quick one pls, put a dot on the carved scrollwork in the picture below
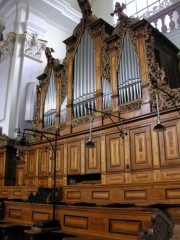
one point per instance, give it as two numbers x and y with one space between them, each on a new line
162 228
105 57
168 97
80 121
120 31
130 107
7 46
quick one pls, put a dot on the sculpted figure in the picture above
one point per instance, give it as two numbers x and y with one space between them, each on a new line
85 8
49 55
119 11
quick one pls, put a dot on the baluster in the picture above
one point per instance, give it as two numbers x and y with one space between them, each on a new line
178 16
163 27
171 23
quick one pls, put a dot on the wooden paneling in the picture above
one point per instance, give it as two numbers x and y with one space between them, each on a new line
20 174
93 157
59 160
169 144
74 158
114 153
31 163
2 163
141 148
44 159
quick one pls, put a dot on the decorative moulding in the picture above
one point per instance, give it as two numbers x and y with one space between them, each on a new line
33 46
7 46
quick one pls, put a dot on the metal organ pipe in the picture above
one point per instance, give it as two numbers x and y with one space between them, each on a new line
129 82
84 75
50 103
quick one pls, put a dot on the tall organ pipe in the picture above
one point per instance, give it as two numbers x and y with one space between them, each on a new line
84 75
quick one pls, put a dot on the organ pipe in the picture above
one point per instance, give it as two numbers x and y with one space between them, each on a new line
84 75
50 103
129 80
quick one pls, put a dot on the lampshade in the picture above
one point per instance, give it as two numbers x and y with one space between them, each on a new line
22 144
90 144
159 128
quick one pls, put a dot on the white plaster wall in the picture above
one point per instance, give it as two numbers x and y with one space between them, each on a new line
55 38
103 9
4 70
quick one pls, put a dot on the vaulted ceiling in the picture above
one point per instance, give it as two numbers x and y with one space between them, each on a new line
64 14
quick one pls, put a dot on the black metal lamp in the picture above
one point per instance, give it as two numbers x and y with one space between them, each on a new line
90 144
159 127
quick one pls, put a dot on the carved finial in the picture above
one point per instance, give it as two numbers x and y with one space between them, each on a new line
119 11
85 7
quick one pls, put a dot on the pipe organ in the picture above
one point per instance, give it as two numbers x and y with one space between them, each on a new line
115 70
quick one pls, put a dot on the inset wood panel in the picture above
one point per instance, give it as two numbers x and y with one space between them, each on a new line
141 148
170 144
15 213
120 226
59 161
31 163
115 153
76 221
74 158
38 216
20 175
2 163
44 158
93 157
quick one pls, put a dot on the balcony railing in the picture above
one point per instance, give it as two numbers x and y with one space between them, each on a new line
167 18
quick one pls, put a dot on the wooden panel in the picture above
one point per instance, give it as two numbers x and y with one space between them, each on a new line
141 149
169 144
20 175
74 158
115 153
2 163
44 158
59 160
31 163
76 221
93 157
135 194
173 193
37 216
100 195
15 213
119 226
73 194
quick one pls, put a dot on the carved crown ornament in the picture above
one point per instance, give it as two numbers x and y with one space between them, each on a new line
33 46
7 46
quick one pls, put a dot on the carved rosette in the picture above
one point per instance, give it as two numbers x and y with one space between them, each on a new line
7 46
